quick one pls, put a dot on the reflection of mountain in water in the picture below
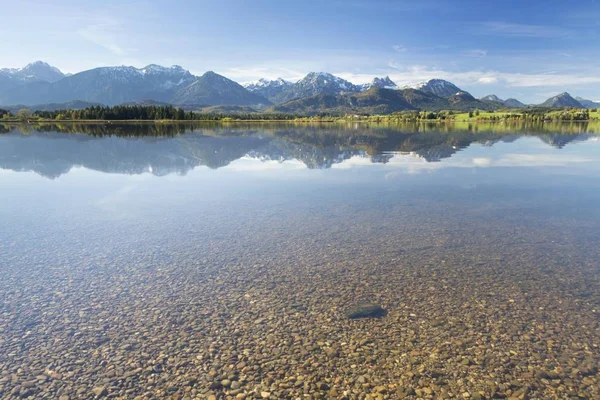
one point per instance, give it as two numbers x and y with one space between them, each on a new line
169 149
560 141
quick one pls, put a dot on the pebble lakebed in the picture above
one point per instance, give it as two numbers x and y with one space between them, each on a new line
480 304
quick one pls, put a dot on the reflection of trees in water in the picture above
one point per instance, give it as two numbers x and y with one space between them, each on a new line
307 129
177 148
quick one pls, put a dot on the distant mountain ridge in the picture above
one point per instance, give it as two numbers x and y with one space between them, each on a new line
43 86
514 103
510 103
561 100
214 89
439 87
492 97
588 103
71 105
317 83
117 85
379 101
269 89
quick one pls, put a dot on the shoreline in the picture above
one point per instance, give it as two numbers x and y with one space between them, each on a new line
300 120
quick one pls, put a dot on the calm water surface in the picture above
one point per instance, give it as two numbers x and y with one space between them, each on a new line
218 261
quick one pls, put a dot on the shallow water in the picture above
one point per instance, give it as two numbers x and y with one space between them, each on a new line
218 260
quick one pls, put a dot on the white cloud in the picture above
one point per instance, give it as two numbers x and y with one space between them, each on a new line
253 73
487 80
412 75
418 74
399 48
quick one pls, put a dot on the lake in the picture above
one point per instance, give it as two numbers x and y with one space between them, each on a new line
219 261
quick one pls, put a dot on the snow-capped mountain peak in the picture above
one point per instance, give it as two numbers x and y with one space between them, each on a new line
266 83
439 87
382 83
416 86
159 69
314 83
319 82
38 71
262 82
492 97
386 83
152 76
270 89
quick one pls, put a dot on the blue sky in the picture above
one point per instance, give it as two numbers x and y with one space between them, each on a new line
530 49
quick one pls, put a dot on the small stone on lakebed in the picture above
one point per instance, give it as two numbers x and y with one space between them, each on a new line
365 310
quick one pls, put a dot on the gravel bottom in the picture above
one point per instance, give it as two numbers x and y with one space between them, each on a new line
476 308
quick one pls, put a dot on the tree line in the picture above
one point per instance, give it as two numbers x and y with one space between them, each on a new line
529 115
168 112
145 113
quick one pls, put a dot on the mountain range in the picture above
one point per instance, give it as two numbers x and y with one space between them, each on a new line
42 86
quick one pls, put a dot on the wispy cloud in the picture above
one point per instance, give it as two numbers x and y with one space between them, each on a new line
475 53
104 33
399 48
508 29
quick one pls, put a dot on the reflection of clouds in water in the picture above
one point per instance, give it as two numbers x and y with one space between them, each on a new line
413 163
482 161
540 160
355 161
250 164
